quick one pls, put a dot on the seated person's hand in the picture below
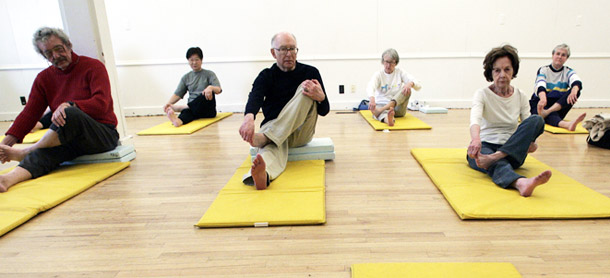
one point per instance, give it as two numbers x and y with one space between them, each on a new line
474 148
9 140
572 98
541 104
166 106
246 130
406 90
208 93
59 116
313 90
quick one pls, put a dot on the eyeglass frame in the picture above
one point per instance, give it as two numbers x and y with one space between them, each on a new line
60 48
389 62
285 50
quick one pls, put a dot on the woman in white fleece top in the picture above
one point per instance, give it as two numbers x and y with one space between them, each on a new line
389 89
499 143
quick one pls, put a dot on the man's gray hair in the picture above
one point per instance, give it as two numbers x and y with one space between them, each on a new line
393 54
44 33
562 46
275 36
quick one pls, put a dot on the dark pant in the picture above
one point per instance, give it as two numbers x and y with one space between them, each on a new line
46 120
199 108
502 172
79 136
557 116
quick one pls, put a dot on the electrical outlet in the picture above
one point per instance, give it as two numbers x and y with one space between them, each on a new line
353 88
22 98
341 89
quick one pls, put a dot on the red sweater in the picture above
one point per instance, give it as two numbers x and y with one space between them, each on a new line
85 82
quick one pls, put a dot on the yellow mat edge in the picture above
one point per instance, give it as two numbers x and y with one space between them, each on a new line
247 161
121 166
32 137
470 216
34 212
457 210
24 218
559 130
362 270
219 116
203 223
372 124
252 224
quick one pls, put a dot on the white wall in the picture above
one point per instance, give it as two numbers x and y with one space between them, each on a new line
441 42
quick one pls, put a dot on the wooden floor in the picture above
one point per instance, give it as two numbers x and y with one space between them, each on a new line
381 207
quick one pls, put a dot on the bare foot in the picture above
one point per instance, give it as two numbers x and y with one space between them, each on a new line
377 111
11 154
486 160
390 117
526 186
259 140
575 123
543 113
259 175
173 118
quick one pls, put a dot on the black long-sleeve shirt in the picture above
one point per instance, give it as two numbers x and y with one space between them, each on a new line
273 88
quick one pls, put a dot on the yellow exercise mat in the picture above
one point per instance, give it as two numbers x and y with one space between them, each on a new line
296 197
473 195
24 200
167 128
33 137
406 122
435 270
559 130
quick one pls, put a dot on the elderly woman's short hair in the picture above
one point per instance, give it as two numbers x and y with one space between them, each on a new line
194 51
562 46
503 51
44 33
393 54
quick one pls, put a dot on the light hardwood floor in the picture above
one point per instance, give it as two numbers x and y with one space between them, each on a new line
381 207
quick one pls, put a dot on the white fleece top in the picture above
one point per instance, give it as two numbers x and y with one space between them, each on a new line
384 86
498 116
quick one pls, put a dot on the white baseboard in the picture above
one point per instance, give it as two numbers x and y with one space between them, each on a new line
156 110
8 116
335 105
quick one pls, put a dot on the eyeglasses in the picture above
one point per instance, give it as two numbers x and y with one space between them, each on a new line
58 48
285 50
389 62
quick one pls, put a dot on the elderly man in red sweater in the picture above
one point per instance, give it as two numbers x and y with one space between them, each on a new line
77 90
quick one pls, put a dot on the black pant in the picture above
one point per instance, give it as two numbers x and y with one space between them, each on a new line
555 117
79 136
46 120
199 108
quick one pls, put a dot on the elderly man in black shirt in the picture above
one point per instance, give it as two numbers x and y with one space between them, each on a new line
292 96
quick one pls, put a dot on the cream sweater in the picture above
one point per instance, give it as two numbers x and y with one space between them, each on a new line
498 116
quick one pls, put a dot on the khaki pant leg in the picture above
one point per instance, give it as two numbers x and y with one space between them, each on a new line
305 132
294 126
291 118
275 158
401 103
